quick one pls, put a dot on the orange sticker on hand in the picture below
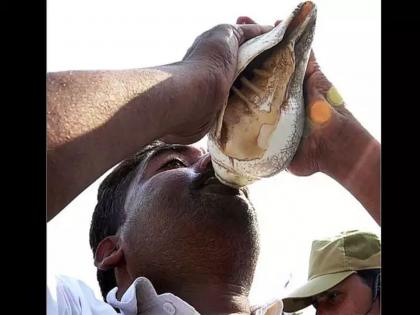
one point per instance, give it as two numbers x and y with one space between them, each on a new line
320 112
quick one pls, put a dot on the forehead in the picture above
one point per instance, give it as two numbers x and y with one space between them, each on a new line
346 284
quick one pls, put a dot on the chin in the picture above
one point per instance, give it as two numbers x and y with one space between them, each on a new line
226 213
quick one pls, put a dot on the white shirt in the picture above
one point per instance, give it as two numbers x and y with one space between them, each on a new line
74 297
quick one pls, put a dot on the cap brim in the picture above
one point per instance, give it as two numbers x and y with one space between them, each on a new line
300 298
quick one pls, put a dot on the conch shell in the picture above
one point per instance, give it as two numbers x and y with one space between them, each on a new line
260 127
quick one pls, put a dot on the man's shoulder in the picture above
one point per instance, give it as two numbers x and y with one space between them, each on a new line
68 295
275 307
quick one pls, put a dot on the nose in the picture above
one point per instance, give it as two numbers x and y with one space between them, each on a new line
203 164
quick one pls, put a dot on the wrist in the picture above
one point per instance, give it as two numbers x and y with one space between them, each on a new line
354 152
357 168
195 88
355 164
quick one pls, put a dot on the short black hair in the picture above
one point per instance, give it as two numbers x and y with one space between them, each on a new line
109 213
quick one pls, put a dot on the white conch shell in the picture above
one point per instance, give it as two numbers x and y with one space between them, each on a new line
260 126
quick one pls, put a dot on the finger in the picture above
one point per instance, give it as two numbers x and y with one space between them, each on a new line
245 20
312 65
318 109
277 22
317 81
321 99
248 31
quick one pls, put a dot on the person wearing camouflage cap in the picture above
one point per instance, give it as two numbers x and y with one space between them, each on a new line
343 278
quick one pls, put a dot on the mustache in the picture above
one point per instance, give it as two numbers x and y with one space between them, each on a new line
202 178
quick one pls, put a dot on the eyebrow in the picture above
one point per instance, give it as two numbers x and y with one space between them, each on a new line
178 148
156 152
325 293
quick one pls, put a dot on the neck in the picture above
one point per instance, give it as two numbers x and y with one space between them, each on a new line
205 296
216 298
123 281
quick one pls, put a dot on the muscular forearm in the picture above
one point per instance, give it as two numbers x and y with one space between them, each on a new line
97 118
355 164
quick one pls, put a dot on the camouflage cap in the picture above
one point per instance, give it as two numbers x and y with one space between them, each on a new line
331 261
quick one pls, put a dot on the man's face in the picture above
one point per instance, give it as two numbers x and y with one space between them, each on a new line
183 223
351 297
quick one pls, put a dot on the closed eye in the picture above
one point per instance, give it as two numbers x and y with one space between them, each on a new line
332 296
329 298
171 164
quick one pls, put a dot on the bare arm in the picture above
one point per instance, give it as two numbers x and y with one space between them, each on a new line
336 144
97 118
355 164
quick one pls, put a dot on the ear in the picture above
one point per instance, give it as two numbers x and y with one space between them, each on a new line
108 253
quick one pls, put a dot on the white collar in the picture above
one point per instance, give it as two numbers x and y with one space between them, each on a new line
150 302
